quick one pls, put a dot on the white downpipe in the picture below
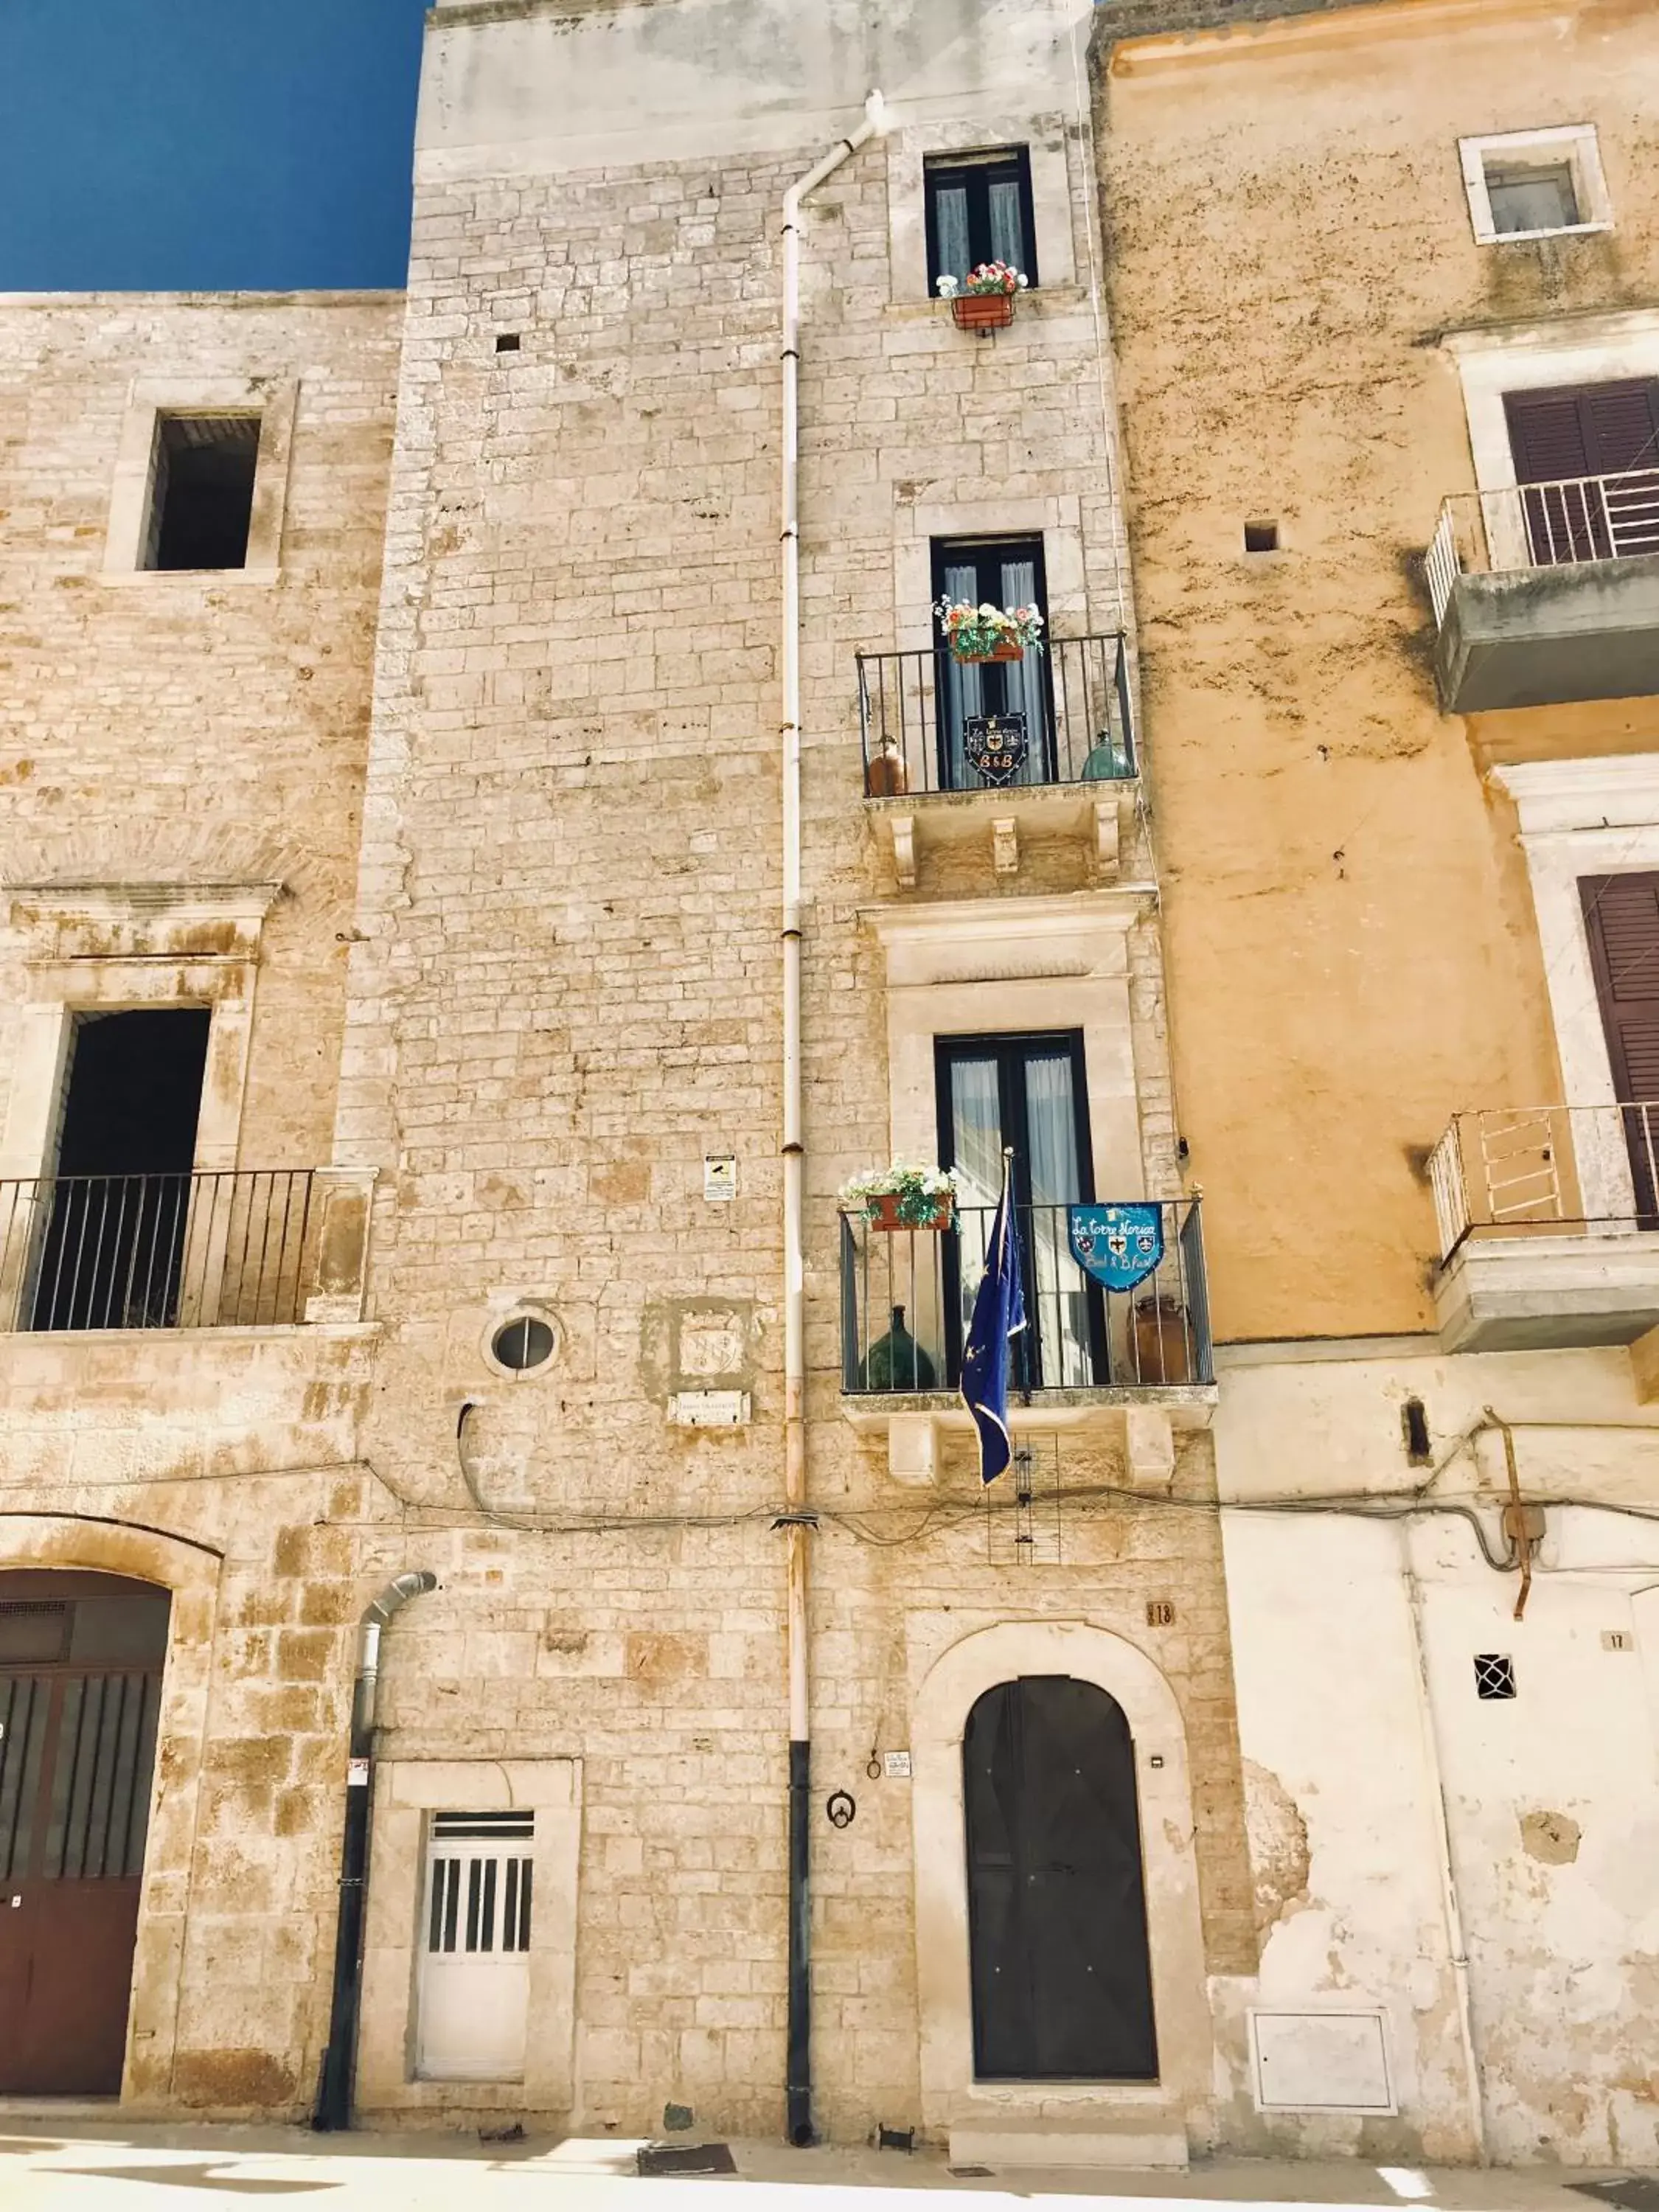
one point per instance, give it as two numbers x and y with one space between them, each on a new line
795 1342
798 2055
1456 1939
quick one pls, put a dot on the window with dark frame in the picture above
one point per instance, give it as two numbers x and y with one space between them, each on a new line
979 209
201 500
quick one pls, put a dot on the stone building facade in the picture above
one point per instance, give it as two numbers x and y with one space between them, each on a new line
1402 758
401 861
552 1372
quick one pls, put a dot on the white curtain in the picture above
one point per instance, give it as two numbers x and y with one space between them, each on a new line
1008 239
964 692
976 1154
950 230
1061 1320
1025 691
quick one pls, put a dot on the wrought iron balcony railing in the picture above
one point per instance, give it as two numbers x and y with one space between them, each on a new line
907 1295
931 724
1543 525
176 1251
1513 1169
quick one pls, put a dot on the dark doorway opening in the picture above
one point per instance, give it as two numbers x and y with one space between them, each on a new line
1061 1970
80 1659
117 1209
202 500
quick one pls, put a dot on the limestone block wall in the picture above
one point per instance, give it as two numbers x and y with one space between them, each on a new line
182 729
567 990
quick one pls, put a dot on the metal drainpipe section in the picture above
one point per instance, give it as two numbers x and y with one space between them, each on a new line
339 2059
796 1520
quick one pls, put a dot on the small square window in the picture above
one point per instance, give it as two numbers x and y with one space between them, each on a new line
1536 184
1494 1674
201 499
1523 198
979 209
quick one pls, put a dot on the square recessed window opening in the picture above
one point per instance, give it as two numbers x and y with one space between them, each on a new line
1536 184
979 209
201 500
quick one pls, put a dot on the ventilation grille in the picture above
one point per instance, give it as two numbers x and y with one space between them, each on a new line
483 1827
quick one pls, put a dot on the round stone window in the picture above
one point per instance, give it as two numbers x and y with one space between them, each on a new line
522 1343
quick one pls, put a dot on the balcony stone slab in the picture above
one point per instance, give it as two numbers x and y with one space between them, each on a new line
1138 1421
1530 1293
1543 637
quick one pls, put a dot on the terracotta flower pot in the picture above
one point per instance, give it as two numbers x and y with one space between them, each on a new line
1163 1346
983 311
882 1212
998 653
884 775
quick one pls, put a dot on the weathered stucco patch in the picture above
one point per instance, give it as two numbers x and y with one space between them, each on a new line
1551 1836
1279 1845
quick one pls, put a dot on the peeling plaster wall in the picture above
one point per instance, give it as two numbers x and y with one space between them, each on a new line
1352 948
1551 1798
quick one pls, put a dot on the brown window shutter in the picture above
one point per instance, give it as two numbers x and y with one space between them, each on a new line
1621 916
1622 921
1583 429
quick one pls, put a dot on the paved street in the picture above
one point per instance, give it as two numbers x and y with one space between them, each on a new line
101 2167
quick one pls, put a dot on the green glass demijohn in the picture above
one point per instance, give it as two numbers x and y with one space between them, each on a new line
897 1361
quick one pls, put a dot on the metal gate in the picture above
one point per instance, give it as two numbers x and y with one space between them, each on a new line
475 1965
77 1748
1061 1977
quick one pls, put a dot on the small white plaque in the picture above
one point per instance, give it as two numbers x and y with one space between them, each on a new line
709 1409
895 1766
720 1177
1617 1639
356 1774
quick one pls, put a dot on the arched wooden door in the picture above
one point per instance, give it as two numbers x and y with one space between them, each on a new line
81 1658
1063 1986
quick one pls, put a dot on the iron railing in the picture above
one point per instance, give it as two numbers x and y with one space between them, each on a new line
907 1294
1060 716
1508 1169
1543 525
158 1251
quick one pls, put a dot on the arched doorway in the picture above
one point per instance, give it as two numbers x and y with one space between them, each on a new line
80 1659
1060 1971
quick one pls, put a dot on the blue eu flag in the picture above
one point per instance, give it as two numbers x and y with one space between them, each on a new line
999 1316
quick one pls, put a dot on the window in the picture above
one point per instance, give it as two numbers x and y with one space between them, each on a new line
1536 184
1011 696
1026 1092
201 501
979 209
1587 460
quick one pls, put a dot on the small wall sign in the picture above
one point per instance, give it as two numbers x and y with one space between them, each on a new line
720 1177
895 1766
709 1409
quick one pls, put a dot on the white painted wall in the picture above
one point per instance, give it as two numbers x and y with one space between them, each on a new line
1553 1800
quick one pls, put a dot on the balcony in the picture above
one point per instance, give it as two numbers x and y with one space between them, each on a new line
267 1248
1089 1358
1547 593
989 754
1547 1216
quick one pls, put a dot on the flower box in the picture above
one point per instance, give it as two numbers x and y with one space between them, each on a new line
987 633
882 1211
902 1196
983 311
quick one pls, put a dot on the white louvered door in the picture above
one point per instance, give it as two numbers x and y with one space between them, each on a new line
475 1956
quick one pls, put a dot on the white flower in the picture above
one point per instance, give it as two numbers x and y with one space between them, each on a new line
988 611
1023 283
947 288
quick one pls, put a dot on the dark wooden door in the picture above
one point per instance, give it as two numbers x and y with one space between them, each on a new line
1061 1977
1621 920
80 1684
1559 437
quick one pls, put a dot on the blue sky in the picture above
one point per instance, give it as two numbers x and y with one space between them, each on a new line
185 144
